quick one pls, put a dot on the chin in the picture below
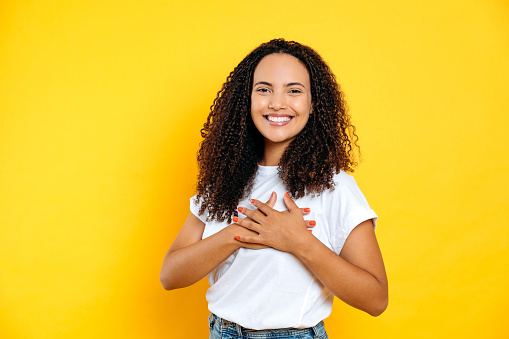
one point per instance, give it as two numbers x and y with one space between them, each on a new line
278 140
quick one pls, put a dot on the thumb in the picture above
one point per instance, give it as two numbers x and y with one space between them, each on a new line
272 200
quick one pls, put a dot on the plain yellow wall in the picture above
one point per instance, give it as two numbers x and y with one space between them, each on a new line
101 103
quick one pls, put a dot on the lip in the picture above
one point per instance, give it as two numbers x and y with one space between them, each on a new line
277 123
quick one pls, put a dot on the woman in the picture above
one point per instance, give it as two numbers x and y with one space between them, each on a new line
279 133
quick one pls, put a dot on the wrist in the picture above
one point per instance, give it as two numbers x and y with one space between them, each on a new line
229 233
305 249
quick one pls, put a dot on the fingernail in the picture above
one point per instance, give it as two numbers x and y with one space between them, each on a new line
310 231
237 237
240 209
312 223
235 219
307 210
252 201
287 195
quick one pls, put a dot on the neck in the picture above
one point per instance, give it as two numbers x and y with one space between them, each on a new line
272 153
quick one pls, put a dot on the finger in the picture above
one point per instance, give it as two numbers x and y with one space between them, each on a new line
310 223
290 204
248 239
272 200
265 208
305 211
247 218
255 215
247 223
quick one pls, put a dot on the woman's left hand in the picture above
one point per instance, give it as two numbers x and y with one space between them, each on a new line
283 231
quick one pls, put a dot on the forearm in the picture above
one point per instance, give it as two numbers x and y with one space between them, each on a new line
185 266
351 284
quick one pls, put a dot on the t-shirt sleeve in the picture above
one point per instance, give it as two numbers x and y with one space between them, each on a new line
195 209
348 208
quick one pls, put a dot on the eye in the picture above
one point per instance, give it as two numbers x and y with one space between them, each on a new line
295 91
262 90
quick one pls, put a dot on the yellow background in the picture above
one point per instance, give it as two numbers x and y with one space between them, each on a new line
101 104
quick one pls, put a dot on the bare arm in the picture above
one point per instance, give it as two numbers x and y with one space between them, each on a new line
357 276
190 258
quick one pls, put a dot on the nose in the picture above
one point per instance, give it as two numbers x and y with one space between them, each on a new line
277 101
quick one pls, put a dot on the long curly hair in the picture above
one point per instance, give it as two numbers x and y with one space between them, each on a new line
232 146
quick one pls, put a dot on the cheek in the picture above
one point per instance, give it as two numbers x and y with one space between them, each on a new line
255 105
302 107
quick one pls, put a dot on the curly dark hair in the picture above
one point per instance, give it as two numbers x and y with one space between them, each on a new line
232 146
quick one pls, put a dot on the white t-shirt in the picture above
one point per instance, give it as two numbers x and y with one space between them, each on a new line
267 288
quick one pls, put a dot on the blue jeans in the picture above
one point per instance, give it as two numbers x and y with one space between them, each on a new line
224 329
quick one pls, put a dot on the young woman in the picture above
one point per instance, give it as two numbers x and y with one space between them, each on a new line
276 147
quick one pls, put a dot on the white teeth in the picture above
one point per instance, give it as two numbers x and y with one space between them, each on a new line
278 119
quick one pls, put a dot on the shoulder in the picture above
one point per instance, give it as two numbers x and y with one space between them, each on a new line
344 178
347 201
347 208
345 185
195 206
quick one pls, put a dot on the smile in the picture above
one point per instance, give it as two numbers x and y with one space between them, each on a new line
278 120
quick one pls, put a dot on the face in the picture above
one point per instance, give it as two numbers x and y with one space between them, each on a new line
281 98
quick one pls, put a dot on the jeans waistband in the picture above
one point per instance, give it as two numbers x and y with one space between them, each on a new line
224 325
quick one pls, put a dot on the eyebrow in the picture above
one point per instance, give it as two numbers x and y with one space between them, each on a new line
287 85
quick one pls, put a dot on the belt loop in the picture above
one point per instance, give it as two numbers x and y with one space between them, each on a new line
316 329
239 330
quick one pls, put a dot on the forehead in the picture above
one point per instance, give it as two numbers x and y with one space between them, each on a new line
281 67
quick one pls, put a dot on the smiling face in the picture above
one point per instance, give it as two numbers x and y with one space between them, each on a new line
280 99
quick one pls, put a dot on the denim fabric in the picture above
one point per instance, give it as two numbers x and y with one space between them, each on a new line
224 329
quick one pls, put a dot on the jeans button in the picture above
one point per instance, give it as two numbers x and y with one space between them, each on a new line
225 323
